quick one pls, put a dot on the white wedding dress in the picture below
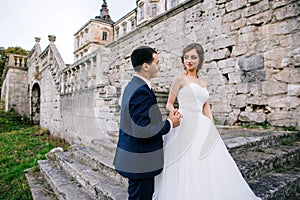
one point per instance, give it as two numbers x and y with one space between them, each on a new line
197 165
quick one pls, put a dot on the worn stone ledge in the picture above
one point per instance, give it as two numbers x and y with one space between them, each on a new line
63 187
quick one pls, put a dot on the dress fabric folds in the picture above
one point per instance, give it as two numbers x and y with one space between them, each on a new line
197 164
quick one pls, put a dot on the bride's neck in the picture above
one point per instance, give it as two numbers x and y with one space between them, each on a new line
190 74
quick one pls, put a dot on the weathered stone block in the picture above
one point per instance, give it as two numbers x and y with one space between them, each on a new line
232 118
291 10
261 18
283 102
238 24
211 65
252 68
274 88
257 8
246 38
288 75
281 118
234 77
232 16
239 101
221 108
277 4
255 89
242 88
252 117
257 100
235 5
223 41
240 49
294 90
230 62
217 55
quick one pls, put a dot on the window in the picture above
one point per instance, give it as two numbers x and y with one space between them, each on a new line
142 12
173 3
104 36
132 24
124 27
78 40
117 32
154 10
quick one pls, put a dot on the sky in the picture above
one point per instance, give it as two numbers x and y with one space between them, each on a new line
23 20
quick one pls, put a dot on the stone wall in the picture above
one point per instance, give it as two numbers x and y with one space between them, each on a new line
252 56
15 88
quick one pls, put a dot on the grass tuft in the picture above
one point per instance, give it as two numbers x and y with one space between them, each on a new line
21 146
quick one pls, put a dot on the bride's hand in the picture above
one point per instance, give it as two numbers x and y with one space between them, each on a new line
176 112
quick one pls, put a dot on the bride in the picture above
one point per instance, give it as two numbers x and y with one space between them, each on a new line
197 165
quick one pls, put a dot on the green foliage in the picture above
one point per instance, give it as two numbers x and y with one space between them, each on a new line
287 142
290 128
264 125
280 170
11 120
21 145
3 60
16 50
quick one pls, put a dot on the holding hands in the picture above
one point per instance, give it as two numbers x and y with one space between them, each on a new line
175 117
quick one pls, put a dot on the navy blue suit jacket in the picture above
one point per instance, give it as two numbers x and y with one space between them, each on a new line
140 147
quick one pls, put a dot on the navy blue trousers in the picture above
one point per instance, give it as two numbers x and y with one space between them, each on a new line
140 189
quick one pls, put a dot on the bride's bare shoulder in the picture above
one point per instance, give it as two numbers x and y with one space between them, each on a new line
180 77
202 83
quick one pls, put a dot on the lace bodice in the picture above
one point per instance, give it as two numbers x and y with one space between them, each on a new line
192 97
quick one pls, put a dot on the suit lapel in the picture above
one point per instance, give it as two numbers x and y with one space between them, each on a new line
140 83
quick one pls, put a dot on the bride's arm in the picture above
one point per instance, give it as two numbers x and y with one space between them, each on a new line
171 100
207 111
174 89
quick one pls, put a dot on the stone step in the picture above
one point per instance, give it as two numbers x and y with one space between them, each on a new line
97 184
97 161
277 186
61 184
91 173
104 146
241 140
253 164
39 188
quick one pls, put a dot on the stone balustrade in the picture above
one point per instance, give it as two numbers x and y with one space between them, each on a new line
16 60
81 75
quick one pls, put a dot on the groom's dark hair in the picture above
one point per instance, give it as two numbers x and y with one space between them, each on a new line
141 55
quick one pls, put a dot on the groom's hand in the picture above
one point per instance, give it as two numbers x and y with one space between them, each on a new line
175 117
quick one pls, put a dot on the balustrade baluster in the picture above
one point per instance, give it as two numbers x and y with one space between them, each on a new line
23 62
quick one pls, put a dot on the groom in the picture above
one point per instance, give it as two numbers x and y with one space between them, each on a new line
139 155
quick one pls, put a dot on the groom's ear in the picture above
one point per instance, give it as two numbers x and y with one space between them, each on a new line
145 66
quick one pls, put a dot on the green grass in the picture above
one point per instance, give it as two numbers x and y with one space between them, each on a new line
290 128
287 142
263 125
21 145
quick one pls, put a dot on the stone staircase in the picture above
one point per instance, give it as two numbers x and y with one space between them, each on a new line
269 161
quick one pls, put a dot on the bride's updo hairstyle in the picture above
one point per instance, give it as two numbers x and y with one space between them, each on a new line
199 50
